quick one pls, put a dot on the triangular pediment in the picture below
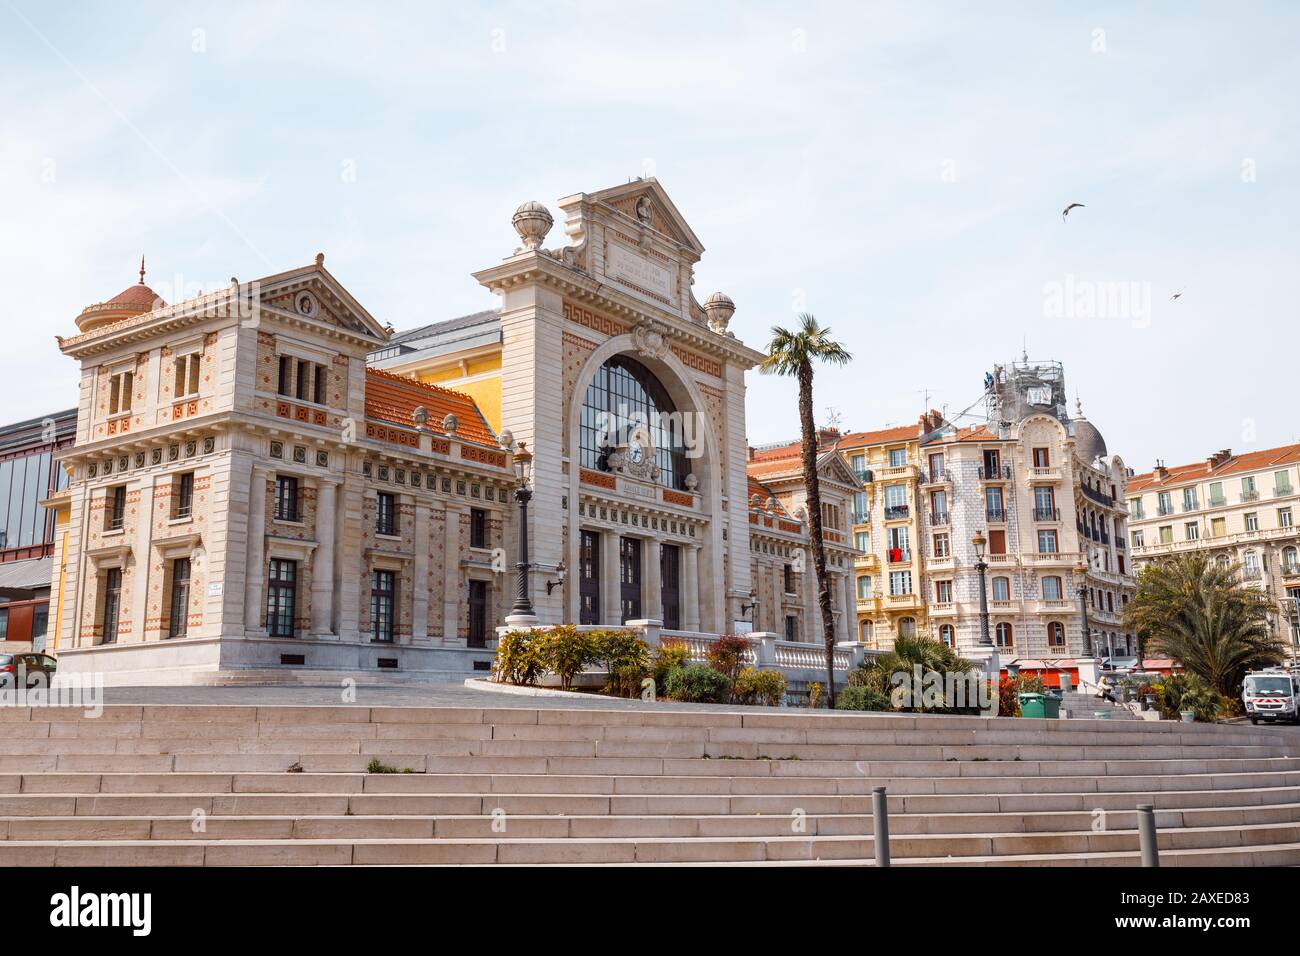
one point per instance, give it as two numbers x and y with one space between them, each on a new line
647 203
313 294
833 468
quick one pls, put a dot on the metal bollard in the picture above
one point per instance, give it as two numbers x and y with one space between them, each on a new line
880 820
1147 835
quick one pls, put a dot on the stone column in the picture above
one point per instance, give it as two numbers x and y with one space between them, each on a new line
420 576
451 595
142 549
611 603
652 576
255 570
322 571
690 588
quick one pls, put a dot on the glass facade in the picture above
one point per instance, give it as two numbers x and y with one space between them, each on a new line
623 395
25 481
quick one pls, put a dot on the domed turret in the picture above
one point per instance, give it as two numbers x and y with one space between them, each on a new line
1088 443
132 301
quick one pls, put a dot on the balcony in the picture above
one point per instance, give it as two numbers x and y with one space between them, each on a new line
943 609
895 472
1051 557
1192 505
1047 514
897 512
1001 473
939 519
1250 496
1098 496
935 477
899 555
1044 473
1291 570
940 562
1282 491
866 561
1105 538
1057 606
1165 510
996 514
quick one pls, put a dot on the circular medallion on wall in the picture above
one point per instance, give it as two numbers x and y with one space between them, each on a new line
305 303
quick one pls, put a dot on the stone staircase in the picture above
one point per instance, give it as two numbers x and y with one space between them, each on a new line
259 785
1087 706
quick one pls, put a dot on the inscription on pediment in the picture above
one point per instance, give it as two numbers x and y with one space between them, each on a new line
637 270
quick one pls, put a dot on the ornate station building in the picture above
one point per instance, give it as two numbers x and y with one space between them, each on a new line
269 477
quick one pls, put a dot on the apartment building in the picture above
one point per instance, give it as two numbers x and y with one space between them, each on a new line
888 525
1239 508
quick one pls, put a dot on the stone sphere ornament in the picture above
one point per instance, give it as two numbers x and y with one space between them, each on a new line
532 221
719 308
450 423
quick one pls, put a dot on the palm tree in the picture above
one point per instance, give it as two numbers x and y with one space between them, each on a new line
793 353
1197 611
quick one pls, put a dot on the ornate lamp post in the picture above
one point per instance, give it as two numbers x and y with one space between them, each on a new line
522 612
1081 572
980 542
981 566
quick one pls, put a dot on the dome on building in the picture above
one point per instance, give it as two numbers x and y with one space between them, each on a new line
132 301
1088 443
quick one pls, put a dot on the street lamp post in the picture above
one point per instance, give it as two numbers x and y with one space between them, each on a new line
1081 571
986 641
522 612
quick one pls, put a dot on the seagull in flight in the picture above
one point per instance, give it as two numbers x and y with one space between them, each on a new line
1066 211
1176 295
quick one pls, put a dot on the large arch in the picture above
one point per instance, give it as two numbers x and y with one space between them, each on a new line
676 380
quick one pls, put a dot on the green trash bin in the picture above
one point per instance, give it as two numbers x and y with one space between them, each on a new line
1052 706
1031 705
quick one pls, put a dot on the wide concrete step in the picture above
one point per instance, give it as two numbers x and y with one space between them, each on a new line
163 781
439 804
1279 841
1059 829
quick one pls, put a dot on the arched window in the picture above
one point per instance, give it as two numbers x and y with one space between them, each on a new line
1052 590
948 635
1004 635
1251 563
907 627
622 395
1289 557
1222 561
866 630
1001 589
1055 634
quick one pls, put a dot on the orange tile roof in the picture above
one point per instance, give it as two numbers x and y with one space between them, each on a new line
864 439
394 398
756 487
969 433
1235 465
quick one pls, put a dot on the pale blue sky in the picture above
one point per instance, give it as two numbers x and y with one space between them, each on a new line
897 169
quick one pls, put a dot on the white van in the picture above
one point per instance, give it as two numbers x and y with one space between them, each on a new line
1271 694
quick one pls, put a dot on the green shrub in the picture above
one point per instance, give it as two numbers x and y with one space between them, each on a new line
759 687
378 766
1181 692
669 656
567 651
726 655
856 697
519 658
816 693
697 684
626 659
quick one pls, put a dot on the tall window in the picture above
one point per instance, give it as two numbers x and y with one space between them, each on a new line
286 498
1252 521
1041 458
183 499
936 467
120 387
942 546
993 503
943 592
178 621
788 572
1192 531
385 508
861 510
477 528
187 375
622 396
1216 493
1005 636
897 457
285 384
1055 634
281 598
116 507
383 589
900 582
1189 499
1001 589
948 635
862 541
991 463
1051 588
864 588
112 604
1047 541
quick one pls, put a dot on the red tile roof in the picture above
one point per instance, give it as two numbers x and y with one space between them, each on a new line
138 296
864 439
970 433
394 398
1201 470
